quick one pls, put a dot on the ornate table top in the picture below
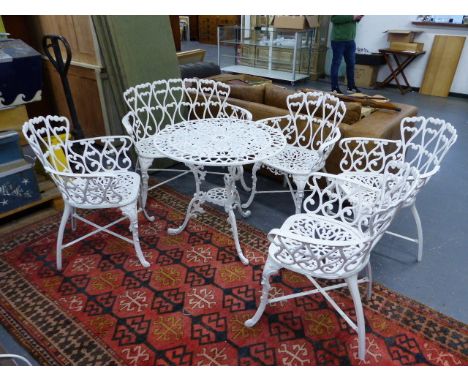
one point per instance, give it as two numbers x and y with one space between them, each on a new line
219 142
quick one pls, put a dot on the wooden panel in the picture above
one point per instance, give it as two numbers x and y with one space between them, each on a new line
76 29
85 94
175 26
442 65
193 20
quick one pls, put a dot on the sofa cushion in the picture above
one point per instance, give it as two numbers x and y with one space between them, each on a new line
199 70
353 112
252 93
276 96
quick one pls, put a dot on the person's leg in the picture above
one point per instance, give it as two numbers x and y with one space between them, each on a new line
337 48
350 59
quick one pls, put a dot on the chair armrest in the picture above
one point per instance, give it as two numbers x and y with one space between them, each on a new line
233 111
326 148
285 123
96 189
277 233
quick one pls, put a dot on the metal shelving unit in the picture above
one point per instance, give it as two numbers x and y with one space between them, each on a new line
282 54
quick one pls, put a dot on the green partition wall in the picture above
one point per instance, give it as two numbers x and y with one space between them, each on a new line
134 49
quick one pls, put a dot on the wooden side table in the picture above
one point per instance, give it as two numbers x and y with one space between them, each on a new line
401 64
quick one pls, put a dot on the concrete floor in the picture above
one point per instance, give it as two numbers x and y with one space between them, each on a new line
441 279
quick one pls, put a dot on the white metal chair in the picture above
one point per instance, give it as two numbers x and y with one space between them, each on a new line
16 357
90 174
164 102
311 129
424 143
334 237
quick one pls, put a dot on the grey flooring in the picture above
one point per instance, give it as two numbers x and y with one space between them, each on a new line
441 279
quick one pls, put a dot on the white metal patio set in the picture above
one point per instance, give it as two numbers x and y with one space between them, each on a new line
191 121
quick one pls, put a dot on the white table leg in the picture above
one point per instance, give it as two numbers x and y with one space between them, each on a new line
233 201
195 205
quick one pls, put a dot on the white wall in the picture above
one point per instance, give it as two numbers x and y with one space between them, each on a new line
370 36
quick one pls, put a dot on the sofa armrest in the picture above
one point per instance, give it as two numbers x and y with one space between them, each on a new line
259 111
382 124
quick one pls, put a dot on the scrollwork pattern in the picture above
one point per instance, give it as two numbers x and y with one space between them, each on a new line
167 102
219 141
90 172
334 237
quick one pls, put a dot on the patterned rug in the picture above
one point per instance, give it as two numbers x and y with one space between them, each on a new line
189 307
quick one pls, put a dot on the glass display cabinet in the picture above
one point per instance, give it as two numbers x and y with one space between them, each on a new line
282 54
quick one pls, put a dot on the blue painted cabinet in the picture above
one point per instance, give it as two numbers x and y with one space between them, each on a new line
18 185
20 73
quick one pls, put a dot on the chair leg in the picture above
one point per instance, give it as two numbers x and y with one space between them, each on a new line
255 168
131 212
67 209
420 231
269 269
145 164
298 196
369 283
361 326
242 179
72 219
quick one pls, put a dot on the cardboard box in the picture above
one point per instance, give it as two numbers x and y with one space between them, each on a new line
407 46
395 35
296 22
365 75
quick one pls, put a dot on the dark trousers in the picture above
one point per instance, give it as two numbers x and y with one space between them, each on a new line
346 49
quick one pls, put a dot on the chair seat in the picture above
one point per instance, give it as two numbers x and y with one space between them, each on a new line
122 190
368 179
146 148
320 260
295 160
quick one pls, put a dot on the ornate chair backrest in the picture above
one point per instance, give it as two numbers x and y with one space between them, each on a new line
92 160
157 104
331 200
426 141
316 117
49 137
369 155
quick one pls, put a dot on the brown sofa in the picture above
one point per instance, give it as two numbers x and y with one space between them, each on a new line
268 100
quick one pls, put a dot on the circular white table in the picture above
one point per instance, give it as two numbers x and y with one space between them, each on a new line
222 142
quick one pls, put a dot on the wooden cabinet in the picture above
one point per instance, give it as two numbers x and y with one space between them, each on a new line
208 26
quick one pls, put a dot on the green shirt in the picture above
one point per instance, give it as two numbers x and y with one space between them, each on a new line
344 28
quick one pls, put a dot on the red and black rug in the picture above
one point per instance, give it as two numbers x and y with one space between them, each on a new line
189 307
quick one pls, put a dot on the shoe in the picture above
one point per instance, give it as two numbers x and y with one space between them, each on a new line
353 90
336 91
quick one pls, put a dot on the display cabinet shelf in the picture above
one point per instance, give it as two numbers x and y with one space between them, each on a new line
281 54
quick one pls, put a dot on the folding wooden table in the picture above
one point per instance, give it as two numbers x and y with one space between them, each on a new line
407 58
